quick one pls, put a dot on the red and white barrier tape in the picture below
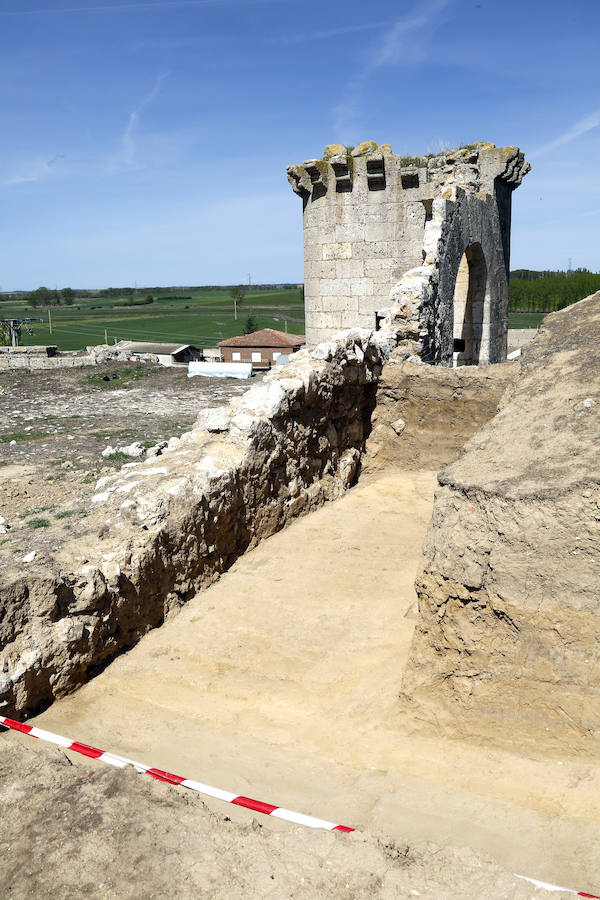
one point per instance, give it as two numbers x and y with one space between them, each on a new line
120 762
555 887
267 808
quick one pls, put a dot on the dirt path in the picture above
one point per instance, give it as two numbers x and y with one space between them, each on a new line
281 682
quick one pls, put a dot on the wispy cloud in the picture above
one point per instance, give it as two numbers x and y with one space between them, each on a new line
116 7
391 48
307 36
126 153
125 7
37 170
588 123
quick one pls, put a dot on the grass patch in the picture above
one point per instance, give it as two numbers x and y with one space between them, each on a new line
38 523
65 514
525 319
23 436
35 511
118 456
124 376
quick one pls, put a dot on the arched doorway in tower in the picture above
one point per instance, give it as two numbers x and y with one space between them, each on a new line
469 305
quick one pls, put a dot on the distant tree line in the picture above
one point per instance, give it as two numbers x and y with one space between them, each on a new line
532 291
44 296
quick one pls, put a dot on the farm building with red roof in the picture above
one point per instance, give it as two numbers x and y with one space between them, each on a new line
261 348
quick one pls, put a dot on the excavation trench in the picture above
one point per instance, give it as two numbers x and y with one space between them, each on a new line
280 681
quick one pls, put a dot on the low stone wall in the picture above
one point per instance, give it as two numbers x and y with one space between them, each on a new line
161 529
10 361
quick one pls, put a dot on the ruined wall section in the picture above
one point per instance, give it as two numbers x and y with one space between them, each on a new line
9 362
159 530
422 301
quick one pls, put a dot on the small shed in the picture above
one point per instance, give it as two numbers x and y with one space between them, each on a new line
261 348
168 354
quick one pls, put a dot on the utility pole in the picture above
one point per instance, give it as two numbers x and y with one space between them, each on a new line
105 337
285 325
14 326
235 308
50 320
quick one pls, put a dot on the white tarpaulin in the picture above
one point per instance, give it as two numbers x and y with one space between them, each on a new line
220 370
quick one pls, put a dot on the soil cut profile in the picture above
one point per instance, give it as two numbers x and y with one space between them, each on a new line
280 682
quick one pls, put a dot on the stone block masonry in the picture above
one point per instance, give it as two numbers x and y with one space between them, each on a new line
427 236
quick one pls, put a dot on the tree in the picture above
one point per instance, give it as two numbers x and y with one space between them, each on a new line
251 325
5 335
43 295
68 295
237 294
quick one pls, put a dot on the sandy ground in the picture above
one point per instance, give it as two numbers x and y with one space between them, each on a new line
281 681
105 834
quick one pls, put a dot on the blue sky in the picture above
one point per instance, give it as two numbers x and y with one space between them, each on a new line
147 141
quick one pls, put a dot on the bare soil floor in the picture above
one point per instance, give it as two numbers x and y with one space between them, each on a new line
55 425
281 682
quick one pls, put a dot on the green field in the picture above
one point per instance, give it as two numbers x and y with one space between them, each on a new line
204 319
525 319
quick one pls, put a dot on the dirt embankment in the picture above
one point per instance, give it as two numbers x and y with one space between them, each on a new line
109 833
425 414
506 644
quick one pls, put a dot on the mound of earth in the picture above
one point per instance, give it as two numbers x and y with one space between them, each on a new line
82 829
425 414
507 642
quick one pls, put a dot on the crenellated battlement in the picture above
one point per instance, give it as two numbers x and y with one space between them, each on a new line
341 169
370 218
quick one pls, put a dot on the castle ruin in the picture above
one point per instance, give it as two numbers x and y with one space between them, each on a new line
417 244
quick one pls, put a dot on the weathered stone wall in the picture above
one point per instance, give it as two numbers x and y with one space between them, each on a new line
159 530
507 643
423 305
37 357
371 217
9 362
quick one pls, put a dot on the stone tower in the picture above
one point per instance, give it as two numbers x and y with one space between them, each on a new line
421 244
